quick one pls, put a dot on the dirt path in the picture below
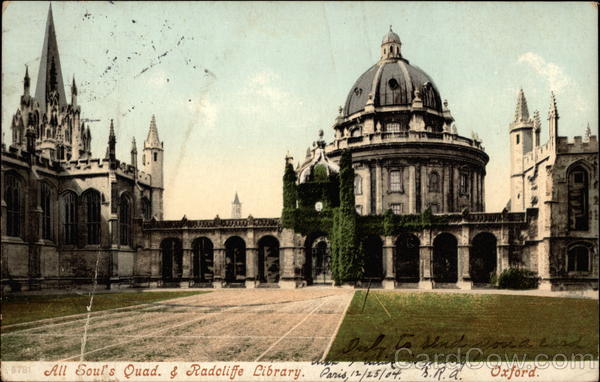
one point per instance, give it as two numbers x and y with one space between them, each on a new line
225 325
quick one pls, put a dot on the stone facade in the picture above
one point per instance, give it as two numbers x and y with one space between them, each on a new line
69 218
64 211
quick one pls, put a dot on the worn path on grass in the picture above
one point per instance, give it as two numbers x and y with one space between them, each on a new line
240 324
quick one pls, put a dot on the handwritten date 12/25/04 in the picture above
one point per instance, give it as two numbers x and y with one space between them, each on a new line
367 372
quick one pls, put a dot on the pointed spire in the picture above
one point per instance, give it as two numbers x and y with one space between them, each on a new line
73 86
50 73
521 113
236 200
553 112
588 133
133 146
26 81
152 141
111 133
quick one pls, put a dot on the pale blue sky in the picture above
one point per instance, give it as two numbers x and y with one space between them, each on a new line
243 83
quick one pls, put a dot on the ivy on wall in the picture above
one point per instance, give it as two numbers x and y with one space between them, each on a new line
290 195
346 255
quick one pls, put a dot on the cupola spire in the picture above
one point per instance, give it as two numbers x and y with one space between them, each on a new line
390 46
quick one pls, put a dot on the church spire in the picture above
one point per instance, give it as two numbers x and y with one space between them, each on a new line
521 113
236 208
50 73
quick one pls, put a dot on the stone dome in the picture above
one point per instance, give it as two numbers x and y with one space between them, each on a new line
393 81
391 36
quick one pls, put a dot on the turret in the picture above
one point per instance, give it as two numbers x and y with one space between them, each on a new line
153 165
521 142
390 46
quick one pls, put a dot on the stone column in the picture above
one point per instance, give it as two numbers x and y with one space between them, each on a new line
388 262
425 257
424 189
251 267
287 260
367 191
463 252
219 267
412 200
378 188
425 271
464 278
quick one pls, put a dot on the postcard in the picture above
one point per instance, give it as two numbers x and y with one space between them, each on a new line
306 191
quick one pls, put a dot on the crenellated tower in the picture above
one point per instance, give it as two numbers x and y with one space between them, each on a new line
153 165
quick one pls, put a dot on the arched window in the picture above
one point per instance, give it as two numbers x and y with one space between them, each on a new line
434 182
92 206
578 259
69 217
357 185
125 220
46 204
13 196
146 209
578 199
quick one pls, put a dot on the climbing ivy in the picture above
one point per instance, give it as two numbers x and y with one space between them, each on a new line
346 254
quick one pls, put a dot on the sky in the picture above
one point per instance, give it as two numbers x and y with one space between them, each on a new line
235 86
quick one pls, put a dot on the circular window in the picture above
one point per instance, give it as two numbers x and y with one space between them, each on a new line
357 91
393 84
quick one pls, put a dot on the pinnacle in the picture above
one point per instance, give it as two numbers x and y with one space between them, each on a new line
553 112
152 140
521 112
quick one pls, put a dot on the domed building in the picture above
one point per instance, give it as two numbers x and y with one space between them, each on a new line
406 151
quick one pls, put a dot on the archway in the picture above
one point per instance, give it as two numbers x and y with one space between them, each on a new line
373 249
407 258
482 257
202 261
235 259
268 260
172 259
317 265
445 259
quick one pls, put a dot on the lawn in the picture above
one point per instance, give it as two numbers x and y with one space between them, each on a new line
447 323
25 308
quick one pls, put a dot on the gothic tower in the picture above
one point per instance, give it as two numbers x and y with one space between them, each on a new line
153 165
521 142
236 208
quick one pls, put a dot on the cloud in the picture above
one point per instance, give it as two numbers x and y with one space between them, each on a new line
552 73
264 94
204 112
